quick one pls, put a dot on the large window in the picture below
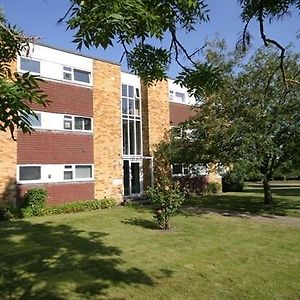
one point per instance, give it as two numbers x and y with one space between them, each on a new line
73 172
77 123
30 65
131 120
28 173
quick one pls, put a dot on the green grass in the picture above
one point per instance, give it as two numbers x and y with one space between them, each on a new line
118 254
286 200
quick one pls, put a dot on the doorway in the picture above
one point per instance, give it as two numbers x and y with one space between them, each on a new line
132 177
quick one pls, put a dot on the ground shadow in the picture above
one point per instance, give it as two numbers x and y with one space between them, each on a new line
141 223
277 190
246 202
49 261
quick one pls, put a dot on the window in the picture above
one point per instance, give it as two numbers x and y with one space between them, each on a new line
82 76
30 65
83 171
29 173
35 121
83 123
67 74
131 120
180 97
177 170
73 172
68 172
68 122
171 95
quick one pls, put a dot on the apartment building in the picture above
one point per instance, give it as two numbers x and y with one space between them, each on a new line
96 137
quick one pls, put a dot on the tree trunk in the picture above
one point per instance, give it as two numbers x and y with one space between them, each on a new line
268 198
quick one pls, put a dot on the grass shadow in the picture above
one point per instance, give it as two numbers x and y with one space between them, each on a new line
50 261
141 223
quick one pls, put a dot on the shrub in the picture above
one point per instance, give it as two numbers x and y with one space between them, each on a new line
233 182
34 202
166 198
8 213
212 188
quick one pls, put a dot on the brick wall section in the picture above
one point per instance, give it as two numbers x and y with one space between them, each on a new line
59 193
47 147
67 99
156 121
8 160
156 115
180 113
107 130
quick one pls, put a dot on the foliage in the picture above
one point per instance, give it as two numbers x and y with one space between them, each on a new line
7 213
233 182
34 201
140 26
252 123
166 198
17 91
212 188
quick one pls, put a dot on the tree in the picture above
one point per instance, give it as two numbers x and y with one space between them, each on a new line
252 123
17 91
139 25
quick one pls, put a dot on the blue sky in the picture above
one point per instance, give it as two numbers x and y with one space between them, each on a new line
39 18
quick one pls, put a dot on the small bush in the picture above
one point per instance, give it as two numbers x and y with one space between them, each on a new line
166 198
213 188
8 213
233 182
34 202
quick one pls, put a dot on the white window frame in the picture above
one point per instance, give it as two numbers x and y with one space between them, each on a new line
47 173
25 71
71 71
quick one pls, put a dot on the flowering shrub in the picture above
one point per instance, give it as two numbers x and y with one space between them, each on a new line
166 198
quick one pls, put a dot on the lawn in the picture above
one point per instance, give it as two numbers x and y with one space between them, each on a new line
286 200
118 254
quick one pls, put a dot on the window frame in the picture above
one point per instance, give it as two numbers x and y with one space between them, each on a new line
71 71
28 166
32 59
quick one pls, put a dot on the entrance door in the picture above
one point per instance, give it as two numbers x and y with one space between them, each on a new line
132 172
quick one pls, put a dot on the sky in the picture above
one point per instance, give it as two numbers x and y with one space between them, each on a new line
39 18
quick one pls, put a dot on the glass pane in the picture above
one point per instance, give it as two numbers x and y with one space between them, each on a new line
68 175
30 65
180 96
68 124
35 121
125 137
131 136
78 123
177 169
124 90
124 106
126 177
83 171
82 76
137 107
131 106
138 137
30 173
87 122
130 91
137 93
135 178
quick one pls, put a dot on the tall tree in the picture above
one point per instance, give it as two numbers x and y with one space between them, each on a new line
17 91
253 122
138 24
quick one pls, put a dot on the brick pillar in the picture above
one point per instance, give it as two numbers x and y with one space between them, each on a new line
156 119
107 130
8 162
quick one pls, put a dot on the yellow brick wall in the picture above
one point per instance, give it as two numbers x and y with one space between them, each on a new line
107 131
156 120
8 161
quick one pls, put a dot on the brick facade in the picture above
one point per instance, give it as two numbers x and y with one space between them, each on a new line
180 113
59 193
48 147
107 130
67 99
